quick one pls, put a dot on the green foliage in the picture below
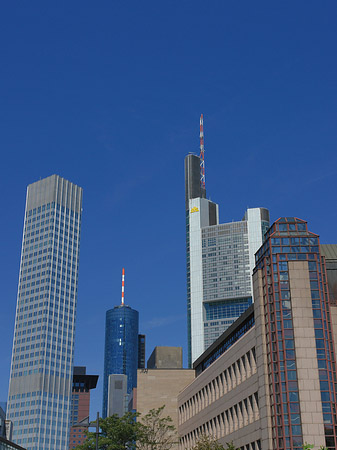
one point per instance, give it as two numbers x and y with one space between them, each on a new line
153 432
117 433
208 443
231 446
307 446
157 432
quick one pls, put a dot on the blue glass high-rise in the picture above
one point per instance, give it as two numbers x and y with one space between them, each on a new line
121 347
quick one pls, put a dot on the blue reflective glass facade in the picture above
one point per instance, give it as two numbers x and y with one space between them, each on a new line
224 309
121 347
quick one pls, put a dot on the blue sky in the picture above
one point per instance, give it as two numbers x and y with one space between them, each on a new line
108 95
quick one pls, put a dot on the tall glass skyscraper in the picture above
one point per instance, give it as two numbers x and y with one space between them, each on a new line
121 348
42 361
220 261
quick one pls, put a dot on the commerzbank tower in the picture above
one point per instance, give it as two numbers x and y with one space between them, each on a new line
220 259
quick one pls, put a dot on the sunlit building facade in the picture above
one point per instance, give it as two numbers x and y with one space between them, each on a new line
43 348
220 261
269 382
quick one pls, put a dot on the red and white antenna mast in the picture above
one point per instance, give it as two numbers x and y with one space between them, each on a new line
123 275
202 154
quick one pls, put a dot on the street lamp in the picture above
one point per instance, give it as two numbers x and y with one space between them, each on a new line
86 424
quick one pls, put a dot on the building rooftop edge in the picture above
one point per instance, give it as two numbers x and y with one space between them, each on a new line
223 336
51 176
11 444
90 380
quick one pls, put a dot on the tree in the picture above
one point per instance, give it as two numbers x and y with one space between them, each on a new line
206 442
157 432
117 433
152 432
231 446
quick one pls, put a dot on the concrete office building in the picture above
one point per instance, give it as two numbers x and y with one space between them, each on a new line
268 382
80 404
161 382
118 398
220 261
42 360
158 387
121 349
166 358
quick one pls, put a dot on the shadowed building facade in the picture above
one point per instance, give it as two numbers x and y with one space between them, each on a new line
141 351
166 358
43 348
80 405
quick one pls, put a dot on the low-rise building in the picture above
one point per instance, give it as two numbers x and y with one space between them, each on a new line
80 405
117 395
5 444
166 358
160 383
158 387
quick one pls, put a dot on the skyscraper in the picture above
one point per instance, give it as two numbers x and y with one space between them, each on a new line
121 348
220 260
269 382
42 360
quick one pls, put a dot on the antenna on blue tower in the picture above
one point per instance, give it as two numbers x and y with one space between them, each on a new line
123 276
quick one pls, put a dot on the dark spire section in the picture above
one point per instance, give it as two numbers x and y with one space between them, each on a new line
193 188
195 171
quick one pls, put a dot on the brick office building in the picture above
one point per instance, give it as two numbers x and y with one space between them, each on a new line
80 407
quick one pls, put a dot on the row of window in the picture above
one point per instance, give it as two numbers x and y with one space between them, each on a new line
38 394
227 380
51 207
23 340
24 373
220 310
32 230
211 333
232 419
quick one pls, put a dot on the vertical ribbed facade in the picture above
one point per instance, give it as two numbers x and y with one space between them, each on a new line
121 348
43 347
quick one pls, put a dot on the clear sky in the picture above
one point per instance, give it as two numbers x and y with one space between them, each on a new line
108 94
